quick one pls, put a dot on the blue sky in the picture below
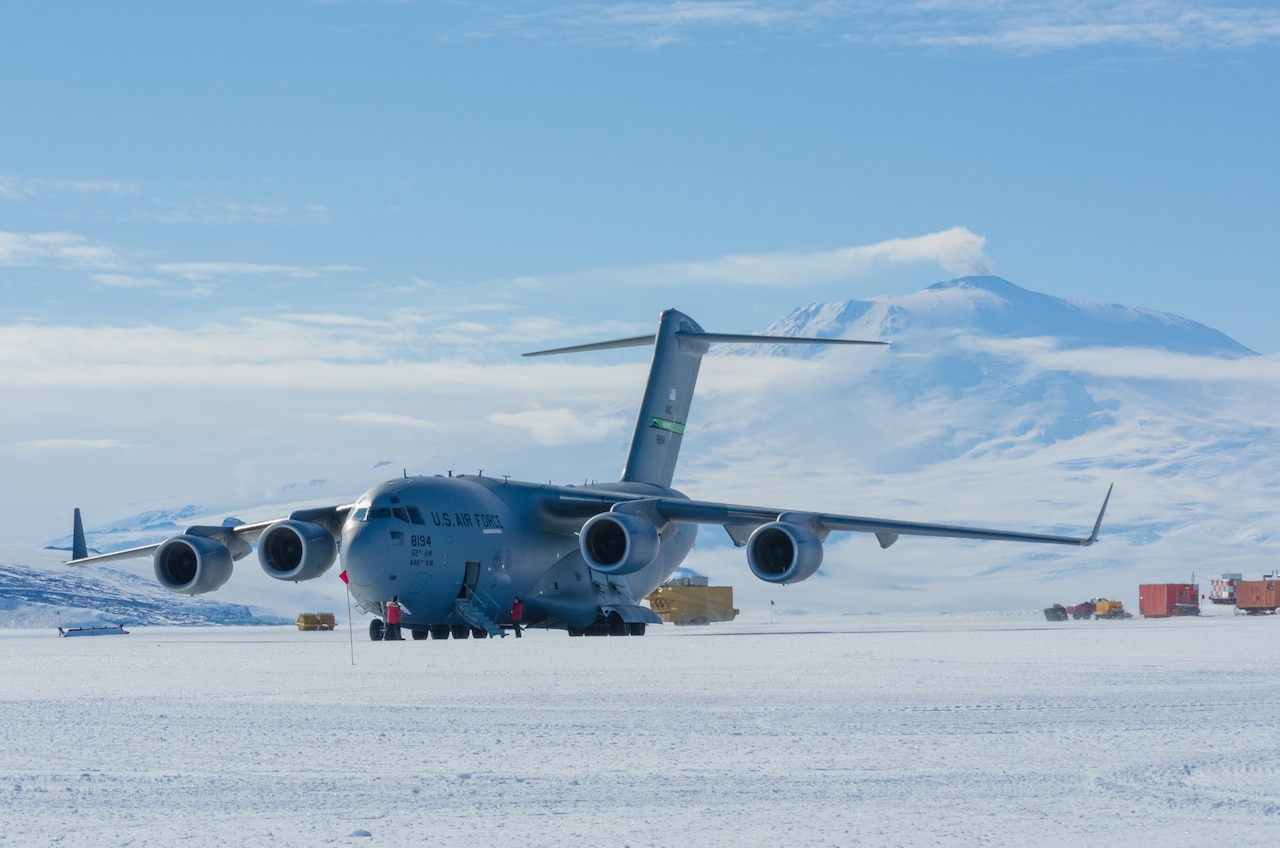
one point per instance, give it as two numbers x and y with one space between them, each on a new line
188 162
214 186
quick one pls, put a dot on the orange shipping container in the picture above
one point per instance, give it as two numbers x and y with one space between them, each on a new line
1258 595
1161 600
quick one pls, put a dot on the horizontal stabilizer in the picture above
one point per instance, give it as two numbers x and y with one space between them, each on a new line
740 338
634 341
709 338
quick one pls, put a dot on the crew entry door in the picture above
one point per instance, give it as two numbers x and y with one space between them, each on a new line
470 578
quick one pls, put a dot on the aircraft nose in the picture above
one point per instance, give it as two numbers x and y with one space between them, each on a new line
363 548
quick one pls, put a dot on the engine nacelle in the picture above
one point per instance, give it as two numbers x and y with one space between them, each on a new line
779 552
296 550
192 565
616 543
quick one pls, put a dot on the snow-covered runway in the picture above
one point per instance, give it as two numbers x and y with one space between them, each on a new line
862 730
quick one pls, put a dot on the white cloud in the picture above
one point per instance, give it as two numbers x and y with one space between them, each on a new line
16 188
387 419
646 24
59 446
208 270
561 426
124 281
53 248
333 320
258 353
227 212
1052 25
957 250
1038 26
1131 363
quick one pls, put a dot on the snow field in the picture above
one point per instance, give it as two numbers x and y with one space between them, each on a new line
910 730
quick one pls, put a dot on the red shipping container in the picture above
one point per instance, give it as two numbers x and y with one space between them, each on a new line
1161 600
1258 595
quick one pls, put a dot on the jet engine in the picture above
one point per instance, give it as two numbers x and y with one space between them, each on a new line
192 565
779 552
616 543
296 550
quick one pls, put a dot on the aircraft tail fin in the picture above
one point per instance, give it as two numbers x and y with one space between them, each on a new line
678 347
79 549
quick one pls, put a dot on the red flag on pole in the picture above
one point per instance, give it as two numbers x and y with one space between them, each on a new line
343 576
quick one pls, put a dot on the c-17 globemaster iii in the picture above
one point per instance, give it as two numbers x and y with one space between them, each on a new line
459 549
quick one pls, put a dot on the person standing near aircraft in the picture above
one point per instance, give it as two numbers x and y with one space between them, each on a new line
517 613
393 620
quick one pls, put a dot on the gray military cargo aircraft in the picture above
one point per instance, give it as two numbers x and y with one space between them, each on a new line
458 550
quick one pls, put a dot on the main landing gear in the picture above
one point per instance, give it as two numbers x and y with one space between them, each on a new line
378 630
613 625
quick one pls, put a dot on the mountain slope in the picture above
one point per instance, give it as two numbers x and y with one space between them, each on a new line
42 592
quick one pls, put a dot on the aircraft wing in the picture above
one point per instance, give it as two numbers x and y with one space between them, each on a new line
739 521
237 538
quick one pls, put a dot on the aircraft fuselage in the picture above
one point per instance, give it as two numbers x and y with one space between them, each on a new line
435 540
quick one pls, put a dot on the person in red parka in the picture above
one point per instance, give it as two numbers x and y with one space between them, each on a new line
517 613
392 633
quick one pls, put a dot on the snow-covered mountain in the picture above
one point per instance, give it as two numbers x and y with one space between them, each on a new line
993 405
1000 406
996 308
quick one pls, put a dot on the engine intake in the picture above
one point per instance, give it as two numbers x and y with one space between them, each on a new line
192 565
616 543
296 550
779 552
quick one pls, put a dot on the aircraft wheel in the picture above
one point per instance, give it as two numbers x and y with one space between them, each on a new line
476 633
419 635
439 631
638 629
460 631
573 631
376 630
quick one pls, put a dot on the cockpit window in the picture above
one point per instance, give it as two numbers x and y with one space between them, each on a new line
415 515
361 513
379 512
399 513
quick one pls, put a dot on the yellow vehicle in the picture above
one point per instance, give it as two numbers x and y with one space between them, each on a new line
1097 608
1102 608
316 621
689 600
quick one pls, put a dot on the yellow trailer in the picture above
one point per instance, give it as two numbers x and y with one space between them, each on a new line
689 600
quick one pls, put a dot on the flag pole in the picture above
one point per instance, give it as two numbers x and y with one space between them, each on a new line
351 636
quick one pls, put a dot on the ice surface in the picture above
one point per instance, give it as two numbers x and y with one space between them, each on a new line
911 730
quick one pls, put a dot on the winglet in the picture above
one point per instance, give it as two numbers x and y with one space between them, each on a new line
1097 525
79 550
